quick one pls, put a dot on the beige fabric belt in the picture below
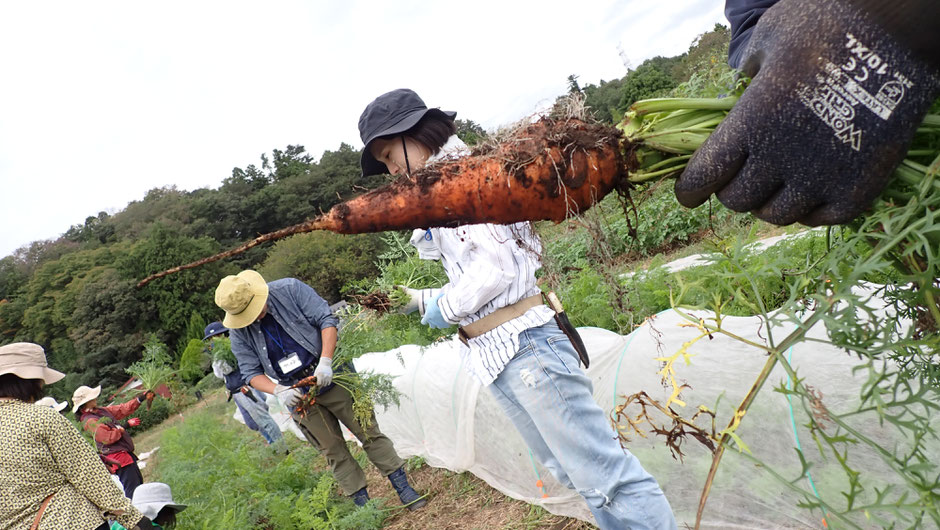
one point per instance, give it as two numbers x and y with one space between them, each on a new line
498 318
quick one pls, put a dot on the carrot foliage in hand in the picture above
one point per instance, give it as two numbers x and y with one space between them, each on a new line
154 368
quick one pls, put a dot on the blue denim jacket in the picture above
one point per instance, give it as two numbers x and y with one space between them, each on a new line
299 310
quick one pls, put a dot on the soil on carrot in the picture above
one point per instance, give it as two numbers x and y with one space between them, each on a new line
377 301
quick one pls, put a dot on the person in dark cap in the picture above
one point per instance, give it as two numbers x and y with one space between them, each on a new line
511 341
250 401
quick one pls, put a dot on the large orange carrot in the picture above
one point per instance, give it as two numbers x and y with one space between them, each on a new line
548 170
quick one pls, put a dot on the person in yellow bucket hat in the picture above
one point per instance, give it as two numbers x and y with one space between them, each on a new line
49 476
114 443
284 331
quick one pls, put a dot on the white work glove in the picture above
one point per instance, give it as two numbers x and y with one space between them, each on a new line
290 397
221 368
324 372
412 304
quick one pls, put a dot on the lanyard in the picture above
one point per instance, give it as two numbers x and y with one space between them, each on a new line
278 340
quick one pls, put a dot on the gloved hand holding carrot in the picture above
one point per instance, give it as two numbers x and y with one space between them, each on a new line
289 396
838 89
412 296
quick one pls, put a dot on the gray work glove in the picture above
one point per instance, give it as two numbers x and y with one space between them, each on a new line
290 397
835 97
411 305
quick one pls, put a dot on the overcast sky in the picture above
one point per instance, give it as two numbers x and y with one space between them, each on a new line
101 101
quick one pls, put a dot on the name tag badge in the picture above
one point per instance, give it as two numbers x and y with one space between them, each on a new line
289 364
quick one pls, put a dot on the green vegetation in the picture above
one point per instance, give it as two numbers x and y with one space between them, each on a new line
243 484
154 368
194 363
75 295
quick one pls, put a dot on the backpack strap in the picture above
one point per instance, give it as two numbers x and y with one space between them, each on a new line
42 509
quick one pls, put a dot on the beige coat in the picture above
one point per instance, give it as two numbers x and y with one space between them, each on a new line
41 453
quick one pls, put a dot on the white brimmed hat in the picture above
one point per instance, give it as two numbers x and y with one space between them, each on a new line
84 394
151 497
27 361
52 403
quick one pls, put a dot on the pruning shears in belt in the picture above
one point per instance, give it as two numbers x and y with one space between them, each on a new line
570 331
244 390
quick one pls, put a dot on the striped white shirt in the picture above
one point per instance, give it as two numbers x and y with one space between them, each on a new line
489 266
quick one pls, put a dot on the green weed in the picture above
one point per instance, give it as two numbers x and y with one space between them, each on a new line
229 480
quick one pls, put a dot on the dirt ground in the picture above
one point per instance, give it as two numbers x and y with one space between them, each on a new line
463 501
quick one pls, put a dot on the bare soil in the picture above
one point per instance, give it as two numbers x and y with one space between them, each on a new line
463 501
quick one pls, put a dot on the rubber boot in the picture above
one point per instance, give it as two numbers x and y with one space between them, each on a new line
361 497
409 497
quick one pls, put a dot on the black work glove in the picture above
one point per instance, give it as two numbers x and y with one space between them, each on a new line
830 112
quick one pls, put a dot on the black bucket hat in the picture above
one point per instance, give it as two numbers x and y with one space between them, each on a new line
391 113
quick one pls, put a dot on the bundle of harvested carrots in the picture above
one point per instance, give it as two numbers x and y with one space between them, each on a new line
309 398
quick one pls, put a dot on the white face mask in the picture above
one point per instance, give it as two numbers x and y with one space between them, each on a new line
426 243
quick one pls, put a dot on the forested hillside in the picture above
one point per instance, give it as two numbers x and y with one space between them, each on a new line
76 294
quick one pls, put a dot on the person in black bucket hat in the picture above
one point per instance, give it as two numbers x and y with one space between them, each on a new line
391 114
510 340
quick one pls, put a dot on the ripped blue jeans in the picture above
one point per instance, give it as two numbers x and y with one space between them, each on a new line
549 399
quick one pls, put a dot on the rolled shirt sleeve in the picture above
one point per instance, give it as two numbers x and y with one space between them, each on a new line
489 269
249 364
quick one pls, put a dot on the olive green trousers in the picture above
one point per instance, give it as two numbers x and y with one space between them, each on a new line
320 426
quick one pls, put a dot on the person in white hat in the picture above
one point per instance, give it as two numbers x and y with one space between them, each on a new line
115 446
49 476
50 402
155 500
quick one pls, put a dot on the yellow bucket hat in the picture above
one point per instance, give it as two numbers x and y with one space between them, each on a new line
242 297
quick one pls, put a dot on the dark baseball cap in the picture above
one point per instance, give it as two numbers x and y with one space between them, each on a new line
391 113
215 328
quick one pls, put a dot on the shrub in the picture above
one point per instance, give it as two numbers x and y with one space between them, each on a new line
194 361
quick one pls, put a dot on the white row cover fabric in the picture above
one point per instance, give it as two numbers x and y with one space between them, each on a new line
447 418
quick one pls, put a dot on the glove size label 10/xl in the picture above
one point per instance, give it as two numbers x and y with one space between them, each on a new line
842 88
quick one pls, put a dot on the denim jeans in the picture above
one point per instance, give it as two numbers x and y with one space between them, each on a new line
258 412
549 399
